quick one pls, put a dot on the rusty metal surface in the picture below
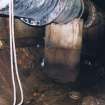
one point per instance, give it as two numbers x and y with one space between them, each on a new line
25 35
39 90
21 30
63 45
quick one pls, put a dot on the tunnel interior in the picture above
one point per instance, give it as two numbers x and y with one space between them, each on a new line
39 88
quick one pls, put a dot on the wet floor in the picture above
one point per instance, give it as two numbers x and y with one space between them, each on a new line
40 90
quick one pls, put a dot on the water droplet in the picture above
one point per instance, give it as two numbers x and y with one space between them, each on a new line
43 63
38 46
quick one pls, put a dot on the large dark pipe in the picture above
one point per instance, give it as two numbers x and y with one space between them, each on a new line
42 12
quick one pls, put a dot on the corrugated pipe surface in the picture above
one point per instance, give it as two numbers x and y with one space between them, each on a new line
42 12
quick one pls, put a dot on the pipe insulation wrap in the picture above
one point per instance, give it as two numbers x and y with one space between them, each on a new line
42 12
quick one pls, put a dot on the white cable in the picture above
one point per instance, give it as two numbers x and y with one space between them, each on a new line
15 61
13 54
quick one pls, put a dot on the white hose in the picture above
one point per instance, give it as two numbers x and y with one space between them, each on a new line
13 57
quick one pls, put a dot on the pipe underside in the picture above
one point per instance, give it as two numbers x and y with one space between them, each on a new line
42 12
